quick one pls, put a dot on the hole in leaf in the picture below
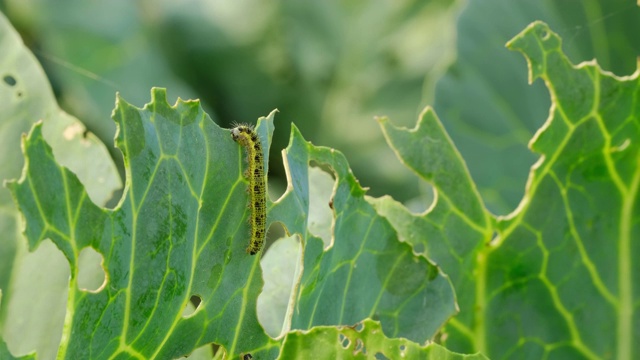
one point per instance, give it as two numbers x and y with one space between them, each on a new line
247 357
192 306
359 327
495 238
344 341
441 337
218 351
114 200
274 232
324 167
206 351
545 35
276 187
402 347
321 204
359 347
425 201
10 80
381 356
281 266
91 274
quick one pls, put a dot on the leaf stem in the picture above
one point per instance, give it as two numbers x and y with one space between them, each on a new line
479 328
625 277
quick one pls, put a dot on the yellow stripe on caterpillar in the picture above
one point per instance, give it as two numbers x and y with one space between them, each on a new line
247 137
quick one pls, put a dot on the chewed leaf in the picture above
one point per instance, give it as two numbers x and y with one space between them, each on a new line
366 272
557 278
179 235
33 308
363 341
178 232
456 228
574 238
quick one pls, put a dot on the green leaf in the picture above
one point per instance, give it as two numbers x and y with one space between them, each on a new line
175 233
483 99
92 50
576 225
325 342
35 284
557 279
180 231
456 228
365 272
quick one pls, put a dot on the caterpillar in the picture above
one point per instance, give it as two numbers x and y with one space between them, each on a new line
247 138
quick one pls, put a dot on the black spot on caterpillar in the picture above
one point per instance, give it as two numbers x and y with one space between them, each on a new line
247 137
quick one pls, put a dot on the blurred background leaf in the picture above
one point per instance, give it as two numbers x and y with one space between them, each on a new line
484 100
34 283
329 66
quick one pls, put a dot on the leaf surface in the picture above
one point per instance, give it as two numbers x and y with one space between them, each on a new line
557 278
456 228
181 193
326 342
365 271
180 232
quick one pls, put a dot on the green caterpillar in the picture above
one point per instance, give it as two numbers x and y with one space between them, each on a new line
247 137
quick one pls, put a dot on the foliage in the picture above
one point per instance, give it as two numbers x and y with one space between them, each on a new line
26 96
483 99
244 58
556 279
362 342
177 233
525 284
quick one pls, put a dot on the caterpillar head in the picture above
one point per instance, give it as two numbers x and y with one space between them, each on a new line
236 133
244 135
